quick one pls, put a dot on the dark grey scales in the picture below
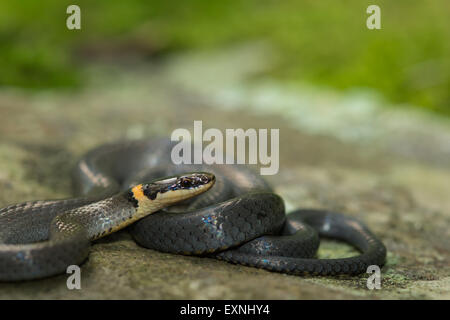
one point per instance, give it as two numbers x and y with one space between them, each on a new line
239 220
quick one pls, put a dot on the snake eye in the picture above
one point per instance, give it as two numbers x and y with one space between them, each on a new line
185 183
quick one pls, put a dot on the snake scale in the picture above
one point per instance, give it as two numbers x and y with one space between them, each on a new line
240 219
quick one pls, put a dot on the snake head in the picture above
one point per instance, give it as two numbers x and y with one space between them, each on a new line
174 189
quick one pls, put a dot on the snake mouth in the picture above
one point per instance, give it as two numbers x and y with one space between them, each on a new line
178 188
151 197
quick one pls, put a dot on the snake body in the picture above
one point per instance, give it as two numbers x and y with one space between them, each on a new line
239 220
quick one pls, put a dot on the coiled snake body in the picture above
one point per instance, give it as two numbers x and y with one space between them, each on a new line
239 220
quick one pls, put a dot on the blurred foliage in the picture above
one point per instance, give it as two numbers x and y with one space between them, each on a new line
325 42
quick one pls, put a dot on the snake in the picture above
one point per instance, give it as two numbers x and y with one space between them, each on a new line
228 212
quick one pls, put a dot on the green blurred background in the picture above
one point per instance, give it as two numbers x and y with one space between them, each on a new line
324 42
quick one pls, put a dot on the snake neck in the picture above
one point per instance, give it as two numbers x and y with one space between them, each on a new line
101 218
104 217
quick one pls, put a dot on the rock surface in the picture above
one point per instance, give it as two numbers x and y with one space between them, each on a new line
390 167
